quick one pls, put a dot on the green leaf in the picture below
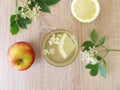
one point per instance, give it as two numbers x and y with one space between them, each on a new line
87 45
14 28
32 5
94 35
102 40
51 2
99 57
28 21
12 18
102 70
22 24
89 66
94 70
43 5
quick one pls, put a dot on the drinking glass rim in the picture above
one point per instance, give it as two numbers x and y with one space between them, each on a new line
76 45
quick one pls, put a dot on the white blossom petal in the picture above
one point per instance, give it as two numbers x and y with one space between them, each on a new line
89 56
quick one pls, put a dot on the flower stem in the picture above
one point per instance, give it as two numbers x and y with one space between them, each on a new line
109 50
104 47
106 54
115 50
16 3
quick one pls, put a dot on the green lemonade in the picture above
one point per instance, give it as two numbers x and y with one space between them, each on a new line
60 47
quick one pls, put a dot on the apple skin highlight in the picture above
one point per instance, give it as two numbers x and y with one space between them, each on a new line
21 55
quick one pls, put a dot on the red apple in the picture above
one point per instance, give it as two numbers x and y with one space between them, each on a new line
21 55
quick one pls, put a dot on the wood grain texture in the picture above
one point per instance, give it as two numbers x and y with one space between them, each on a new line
43 76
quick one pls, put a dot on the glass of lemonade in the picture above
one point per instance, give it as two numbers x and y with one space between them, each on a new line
60 47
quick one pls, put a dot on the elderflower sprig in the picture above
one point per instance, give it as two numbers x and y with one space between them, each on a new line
26 13
91 54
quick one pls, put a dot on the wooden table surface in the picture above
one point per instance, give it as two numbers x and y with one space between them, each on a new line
43 76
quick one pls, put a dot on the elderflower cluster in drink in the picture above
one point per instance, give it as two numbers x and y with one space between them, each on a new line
55 39
89 55
51 51
28 12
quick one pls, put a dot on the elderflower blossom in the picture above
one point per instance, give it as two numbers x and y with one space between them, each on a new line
89 56
54 40
51 51
26 11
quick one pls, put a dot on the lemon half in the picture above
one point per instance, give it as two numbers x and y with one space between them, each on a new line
66 46
85 11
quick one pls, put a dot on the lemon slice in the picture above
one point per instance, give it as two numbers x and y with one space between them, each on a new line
85 10
66 46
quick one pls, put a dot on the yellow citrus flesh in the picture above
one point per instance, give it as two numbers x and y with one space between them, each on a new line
85 10
66 46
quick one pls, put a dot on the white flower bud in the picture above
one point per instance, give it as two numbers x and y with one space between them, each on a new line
89 56
29 2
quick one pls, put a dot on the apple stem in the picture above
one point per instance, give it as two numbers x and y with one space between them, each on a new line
19 61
